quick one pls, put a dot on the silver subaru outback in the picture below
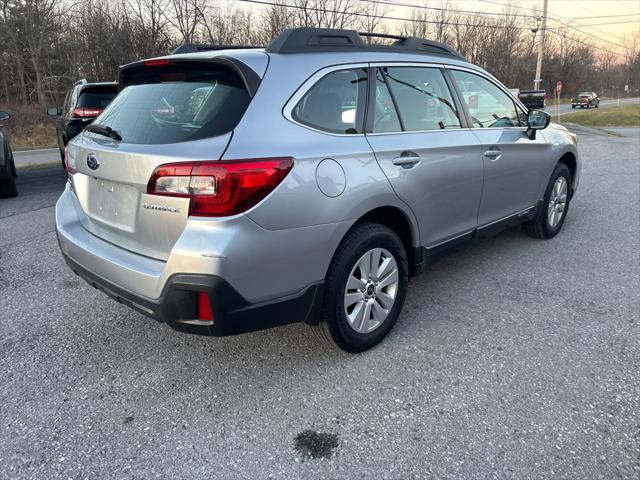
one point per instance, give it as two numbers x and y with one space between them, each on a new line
225 191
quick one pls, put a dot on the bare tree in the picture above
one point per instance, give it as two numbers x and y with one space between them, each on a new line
40 21
273 20
48 44
327 13
187 16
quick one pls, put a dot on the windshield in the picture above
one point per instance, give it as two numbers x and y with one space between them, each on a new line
177 103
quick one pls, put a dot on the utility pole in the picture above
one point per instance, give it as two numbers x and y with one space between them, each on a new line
543 28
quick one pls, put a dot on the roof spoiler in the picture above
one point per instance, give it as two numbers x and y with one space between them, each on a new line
249 77
307 40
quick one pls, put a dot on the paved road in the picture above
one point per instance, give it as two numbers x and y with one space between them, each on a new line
566 108
30 158
515 359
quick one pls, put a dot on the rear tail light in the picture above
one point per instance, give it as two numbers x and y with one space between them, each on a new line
158 62
220 188
83 112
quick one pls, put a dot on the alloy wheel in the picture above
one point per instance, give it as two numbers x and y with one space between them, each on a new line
371 290
557 202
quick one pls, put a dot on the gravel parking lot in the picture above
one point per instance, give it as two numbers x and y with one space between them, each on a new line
517 358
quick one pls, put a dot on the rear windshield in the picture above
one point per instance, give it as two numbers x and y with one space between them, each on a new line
97 97
177 103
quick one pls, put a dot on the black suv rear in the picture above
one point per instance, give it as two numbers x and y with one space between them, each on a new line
82 104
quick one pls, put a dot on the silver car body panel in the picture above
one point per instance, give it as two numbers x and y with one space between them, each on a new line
286 242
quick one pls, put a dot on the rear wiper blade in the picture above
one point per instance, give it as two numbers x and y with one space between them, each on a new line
104 130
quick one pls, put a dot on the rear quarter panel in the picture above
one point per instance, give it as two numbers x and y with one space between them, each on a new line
298 201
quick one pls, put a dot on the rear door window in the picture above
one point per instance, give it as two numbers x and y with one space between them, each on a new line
423 98
385 117
335 104
177 103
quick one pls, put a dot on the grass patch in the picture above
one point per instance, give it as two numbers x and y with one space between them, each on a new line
623 116
40 136
29 127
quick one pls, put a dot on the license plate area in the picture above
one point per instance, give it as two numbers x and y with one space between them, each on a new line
112 203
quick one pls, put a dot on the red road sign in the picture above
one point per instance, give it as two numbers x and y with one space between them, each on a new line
558 87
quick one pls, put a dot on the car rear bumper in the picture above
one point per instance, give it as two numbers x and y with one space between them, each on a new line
253 277
232 314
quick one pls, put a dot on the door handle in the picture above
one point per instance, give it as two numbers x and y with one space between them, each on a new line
406 159
493 154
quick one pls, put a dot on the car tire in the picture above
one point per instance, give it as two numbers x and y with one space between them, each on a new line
64 165
357 314
553 212
8 187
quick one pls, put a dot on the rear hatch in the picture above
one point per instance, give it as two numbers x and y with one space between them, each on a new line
93 99
166 112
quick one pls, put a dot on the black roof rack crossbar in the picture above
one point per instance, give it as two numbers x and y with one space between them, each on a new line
306 40
194 47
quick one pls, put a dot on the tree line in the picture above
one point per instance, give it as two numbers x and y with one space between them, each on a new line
49 44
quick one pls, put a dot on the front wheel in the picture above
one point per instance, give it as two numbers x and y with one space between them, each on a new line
550 217
365 288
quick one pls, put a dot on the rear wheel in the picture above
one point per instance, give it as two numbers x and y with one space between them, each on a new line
365 288
550 217
8 185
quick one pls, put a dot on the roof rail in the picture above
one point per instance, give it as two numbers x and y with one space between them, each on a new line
194 47
82 81
306 40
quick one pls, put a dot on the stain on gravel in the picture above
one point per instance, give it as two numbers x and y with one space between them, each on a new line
316 445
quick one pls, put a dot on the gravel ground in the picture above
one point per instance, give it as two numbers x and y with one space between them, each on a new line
516 358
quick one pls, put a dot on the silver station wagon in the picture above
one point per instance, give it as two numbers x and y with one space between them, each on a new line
229 190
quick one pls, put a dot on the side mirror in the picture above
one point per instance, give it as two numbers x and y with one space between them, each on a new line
537 120
4 116
53 111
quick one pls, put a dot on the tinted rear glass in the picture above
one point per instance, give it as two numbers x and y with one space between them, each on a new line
177 103
97 97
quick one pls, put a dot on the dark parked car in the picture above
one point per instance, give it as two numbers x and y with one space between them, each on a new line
83 103
585 100
533 99
7 166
